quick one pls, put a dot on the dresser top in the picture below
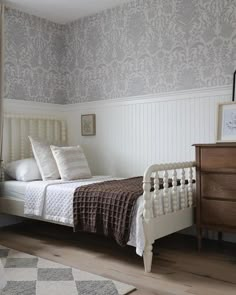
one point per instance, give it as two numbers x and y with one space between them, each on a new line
225 144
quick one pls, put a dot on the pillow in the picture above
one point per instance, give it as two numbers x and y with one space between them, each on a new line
23 170
71 162
45 160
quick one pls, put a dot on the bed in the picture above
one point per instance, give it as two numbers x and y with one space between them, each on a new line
157 213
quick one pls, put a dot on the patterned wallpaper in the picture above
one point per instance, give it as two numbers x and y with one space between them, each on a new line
34 56
151 46
142 47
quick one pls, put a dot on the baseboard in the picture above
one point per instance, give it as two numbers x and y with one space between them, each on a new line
6 220
211 235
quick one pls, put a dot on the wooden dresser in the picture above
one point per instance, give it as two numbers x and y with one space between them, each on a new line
216 188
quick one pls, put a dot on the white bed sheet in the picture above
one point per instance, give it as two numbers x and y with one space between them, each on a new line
14 188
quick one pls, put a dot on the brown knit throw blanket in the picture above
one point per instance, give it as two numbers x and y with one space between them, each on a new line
108 207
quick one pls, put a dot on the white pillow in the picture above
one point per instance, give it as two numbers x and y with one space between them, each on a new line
45 160
71 162
23 170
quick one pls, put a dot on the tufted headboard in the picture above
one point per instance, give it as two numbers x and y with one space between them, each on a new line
17 128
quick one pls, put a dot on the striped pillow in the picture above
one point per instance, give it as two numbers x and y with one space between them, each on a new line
71 162
44 159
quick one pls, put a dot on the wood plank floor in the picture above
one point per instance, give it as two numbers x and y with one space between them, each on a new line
178 269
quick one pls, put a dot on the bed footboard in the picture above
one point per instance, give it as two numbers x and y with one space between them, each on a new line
169 209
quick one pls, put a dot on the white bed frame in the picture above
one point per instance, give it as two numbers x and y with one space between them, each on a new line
161 216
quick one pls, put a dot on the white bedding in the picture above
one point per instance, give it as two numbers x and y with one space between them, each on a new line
14 188
53 201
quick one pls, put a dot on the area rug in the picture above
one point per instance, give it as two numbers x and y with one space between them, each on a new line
31 275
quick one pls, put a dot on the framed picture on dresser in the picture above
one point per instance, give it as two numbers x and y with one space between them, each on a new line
226 122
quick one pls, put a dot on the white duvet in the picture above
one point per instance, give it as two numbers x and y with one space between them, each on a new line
53 201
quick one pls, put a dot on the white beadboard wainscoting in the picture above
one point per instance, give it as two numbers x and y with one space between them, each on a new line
133 133
137 131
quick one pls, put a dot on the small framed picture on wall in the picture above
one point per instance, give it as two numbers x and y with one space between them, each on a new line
234 86
226 122
88 125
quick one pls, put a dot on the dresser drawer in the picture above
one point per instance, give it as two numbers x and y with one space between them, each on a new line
218 186
218 158
219 213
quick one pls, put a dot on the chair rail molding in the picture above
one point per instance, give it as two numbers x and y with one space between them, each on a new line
150 98
16 106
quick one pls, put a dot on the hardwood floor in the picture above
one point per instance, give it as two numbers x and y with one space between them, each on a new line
179 269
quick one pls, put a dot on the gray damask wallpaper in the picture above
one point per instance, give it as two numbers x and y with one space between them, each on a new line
151 46
142 47
34 56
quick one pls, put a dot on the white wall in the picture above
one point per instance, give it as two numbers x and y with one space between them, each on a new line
135 132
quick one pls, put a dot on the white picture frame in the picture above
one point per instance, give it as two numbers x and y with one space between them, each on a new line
226 122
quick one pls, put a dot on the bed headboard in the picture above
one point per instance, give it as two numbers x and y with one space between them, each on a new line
17 128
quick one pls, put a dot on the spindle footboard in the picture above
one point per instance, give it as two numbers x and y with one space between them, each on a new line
168 209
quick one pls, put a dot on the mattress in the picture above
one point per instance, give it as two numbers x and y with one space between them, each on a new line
14 188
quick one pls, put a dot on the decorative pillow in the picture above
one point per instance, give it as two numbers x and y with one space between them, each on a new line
45 160
71 162
23 170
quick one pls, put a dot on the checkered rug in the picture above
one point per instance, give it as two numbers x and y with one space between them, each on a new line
31 275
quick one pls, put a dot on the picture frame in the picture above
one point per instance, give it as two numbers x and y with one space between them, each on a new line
88 125
234 86
226 122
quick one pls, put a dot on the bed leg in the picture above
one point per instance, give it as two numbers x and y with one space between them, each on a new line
147 258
